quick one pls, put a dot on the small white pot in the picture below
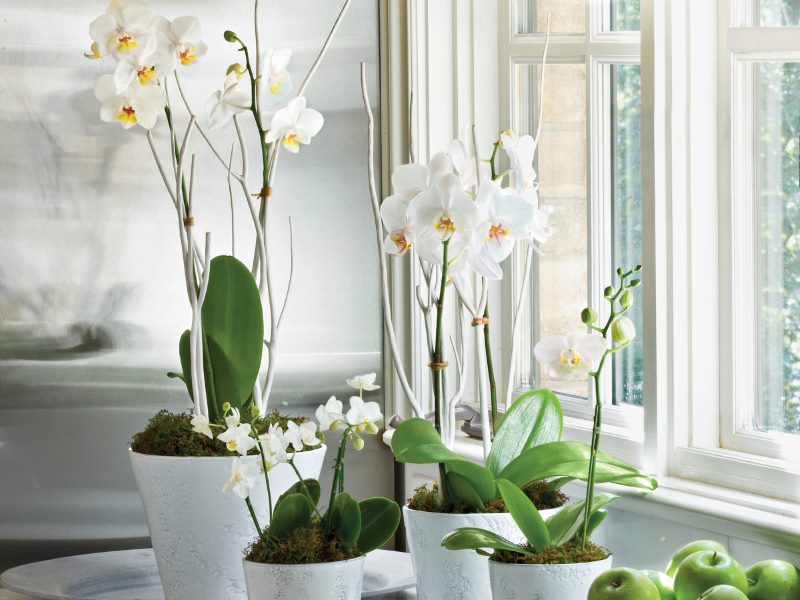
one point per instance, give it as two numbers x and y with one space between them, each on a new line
340 580
199 533
453 574
544 582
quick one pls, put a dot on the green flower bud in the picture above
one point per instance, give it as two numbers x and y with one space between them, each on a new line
623 330
236 68
626 299
609 291
358 444
637 268
634 283
588 315
229 36
619 271
226 407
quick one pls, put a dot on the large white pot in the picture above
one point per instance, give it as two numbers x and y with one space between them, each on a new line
199 534
340 580
544 582
453 574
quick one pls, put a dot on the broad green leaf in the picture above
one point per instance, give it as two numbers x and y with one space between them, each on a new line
479 478
186 361
595 520
313 487
534 419
566 523
346 518
474 538
379 520
462 493
417 441
293 512
571 459
525 515
233 329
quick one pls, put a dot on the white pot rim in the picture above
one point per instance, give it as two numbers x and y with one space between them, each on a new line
322 447
305 565
498 564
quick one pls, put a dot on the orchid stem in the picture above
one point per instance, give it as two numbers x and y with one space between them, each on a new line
266 477
255 519
437 366
304 486
338 479
487 341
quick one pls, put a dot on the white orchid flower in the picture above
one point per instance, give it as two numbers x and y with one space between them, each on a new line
233 99
275 79
233 419
119 30
505 217
521 152
444 212
302 435
244 478
294 125
408 181
572 355
201 425
463 161
329 414
539 233
365 382
146 65
183 37
365 416
137 105
238 439
273 446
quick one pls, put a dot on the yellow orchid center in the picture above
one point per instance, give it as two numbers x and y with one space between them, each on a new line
127 114
445 226
232 445
570 357
145 74
292 141
237 478
399 239
497 232
126 43
275 85
187 56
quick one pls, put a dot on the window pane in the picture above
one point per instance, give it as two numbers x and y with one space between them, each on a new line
627 216
566 16
778 114
779 13
624 15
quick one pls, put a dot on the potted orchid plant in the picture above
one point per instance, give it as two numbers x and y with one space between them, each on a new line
229 353
307 552
557 558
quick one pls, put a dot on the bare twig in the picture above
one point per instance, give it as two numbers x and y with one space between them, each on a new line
291 274
160 166
230 196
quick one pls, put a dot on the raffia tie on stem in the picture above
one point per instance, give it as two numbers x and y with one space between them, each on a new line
265 192
438 366
478 321
188 222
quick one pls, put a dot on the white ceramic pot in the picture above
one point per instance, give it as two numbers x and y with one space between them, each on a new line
453 574
340 580
544 582
199 533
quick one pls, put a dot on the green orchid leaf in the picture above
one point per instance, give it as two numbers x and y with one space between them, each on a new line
596 520
535 418
417 441
525 515
313 487
566 523
294 511
346 518
379 520
474 538
480 479
462 493
186 361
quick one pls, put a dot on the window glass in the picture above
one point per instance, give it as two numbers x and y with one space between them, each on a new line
779 13
566 16
624 15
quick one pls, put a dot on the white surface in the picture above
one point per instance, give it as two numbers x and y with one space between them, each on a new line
341 580
565 582
198 532
133 575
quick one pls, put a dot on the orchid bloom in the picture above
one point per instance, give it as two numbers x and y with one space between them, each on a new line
364 382
145 65
365 416
301 435
233 419
521 152
119 30
233 99
294 125
570 356
274 77
329 414
183 35
137 105
244 478
463 161
238 439
505 217
407 182
273 446
201 425
444 212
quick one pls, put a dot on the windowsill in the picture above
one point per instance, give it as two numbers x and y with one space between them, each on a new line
725 511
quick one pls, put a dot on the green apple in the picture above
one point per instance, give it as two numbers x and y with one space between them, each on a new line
723 592
705 569
691 548
623 584
663 584
773 580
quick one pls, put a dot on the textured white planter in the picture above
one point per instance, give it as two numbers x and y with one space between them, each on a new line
320 581
544 582
199 533
453 574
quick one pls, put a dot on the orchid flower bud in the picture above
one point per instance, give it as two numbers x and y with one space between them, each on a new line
609 291
358 444
623 330
588 315
230 36
626 299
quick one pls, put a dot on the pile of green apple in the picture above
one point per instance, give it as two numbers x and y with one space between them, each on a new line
701 570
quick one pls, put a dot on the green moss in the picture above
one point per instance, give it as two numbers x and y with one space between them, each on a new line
569 553
171 434
426 499
307 544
